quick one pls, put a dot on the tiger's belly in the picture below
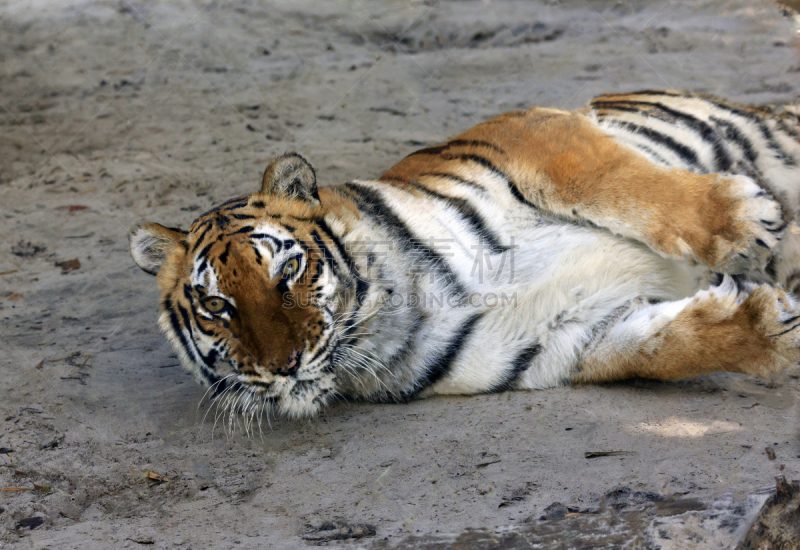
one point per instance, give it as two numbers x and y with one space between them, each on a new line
536 306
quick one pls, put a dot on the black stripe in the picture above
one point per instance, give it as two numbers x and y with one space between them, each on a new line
176 327
518 195
398 358
773 144
620 107
362 285
784 332
176 229
327 257
321 348
455 178
371 203
475 143
656 92
267 236
758 119
191 351
242 217
187 322
683 151
486 163
317 274
208 225
232 204
220 388
435 150
221 220
470 215
650 151
243 229
259 383
744 113
351 325
520 364
732 133
439 149
483 161
340 249
722 160
613 106
289 243
223 258
788 129
203 254
442 364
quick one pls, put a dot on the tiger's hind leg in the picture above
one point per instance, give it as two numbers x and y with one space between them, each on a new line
745 328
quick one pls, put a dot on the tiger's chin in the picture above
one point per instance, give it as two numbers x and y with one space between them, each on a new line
256 401
302 397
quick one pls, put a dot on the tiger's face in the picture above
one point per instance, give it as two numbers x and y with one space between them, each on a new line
250 291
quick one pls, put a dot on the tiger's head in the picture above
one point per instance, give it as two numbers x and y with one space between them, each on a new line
250 292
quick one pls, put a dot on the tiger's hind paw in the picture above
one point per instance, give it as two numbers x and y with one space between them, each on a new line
775 314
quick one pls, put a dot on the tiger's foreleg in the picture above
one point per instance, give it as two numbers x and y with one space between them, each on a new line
749 328
566 164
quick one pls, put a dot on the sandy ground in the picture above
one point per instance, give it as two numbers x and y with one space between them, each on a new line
116 112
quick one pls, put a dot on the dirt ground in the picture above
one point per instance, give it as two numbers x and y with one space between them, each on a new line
116 112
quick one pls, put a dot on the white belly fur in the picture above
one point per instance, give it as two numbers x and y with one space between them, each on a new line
566 280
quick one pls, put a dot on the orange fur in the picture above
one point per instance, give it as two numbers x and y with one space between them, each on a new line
563 163
711 334
266 328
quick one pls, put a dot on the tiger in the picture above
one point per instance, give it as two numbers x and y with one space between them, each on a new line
649 234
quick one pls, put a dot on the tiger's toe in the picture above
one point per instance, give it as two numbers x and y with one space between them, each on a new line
747 242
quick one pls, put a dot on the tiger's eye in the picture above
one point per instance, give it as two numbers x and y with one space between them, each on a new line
214 304
290 267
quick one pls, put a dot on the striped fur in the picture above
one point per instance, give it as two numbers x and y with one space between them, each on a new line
538 248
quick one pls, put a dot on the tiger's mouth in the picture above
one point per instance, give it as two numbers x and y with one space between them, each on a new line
294 390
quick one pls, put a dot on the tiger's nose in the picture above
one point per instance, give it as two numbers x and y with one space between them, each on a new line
292 363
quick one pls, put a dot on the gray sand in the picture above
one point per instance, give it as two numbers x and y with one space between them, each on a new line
157 110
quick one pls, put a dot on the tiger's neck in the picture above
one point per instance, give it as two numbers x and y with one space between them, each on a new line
390 320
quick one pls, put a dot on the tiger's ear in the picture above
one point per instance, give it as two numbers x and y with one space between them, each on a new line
150 244
290 176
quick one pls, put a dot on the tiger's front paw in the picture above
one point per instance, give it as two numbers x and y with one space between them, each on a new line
745 237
